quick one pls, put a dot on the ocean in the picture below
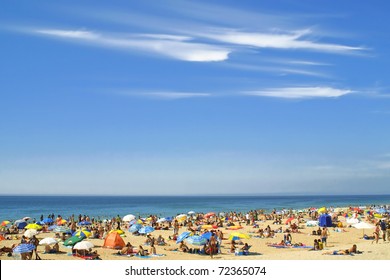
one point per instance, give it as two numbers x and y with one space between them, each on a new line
102 207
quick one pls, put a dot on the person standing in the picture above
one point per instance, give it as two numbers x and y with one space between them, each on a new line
383 229
324 236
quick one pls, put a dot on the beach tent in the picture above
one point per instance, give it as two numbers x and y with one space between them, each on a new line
325 220
114 241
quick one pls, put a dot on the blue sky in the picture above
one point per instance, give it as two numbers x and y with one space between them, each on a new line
194 97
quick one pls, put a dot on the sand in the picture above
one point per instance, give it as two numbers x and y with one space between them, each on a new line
259 249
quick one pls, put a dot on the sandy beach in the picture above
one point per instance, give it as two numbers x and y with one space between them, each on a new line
341 239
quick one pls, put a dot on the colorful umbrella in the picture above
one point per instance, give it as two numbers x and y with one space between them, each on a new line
238 235
183 236
209 227
181 218
24 248
147 229
62 229
62 222
196 240
5 223
84 223
73 240
209 215
83 233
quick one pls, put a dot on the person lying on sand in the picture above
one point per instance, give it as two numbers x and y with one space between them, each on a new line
352 250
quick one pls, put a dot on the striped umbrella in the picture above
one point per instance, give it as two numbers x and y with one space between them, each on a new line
83 233
24 248
182 236
61 229
5 223
196 240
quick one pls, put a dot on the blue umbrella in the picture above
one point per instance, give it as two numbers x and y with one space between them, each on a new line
24 248
52 227
182 236
207 235
196 240
47 221
21 224
147 229
135 228
168 219
84 223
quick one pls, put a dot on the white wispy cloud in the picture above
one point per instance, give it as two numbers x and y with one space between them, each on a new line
159 94
299 92
176 47
277 40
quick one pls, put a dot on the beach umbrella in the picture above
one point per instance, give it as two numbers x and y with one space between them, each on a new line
119 231
191 213
209 215
238 235
182 236
147 229
26 218
62 222
181 218
207 235
73 240
196 240
24 248
62 229
33 226
128 218
84 223
83 245
161 220
52 227
47 221
135 228
84 233
20 224
5 223
2 237
48 241
363 225
30 233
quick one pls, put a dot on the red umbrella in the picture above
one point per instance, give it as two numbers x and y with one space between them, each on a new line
210 214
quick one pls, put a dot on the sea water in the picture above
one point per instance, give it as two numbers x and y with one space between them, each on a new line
104 207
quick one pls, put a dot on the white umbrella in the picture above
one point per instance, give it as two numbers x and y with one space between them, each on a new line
161 220
48 241
181 217
83 245
128 218
363 225
30 233
191 213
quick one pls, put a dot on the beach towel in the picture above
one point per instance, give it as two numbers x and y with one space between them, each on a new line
87 257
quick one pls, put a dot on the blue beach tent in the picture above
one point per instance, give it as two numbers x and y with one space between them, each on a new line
325 220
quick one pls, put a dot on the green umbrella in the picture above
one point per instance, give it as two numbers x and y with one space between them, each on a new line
73 240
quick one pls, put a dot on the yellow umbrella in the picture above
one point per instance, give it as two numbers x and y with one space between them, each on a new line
181 218
62 222
33 226
238 235
119 231
321 210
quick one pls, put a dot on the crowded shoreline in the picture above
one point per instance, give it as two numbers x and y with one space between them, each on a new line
356 232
